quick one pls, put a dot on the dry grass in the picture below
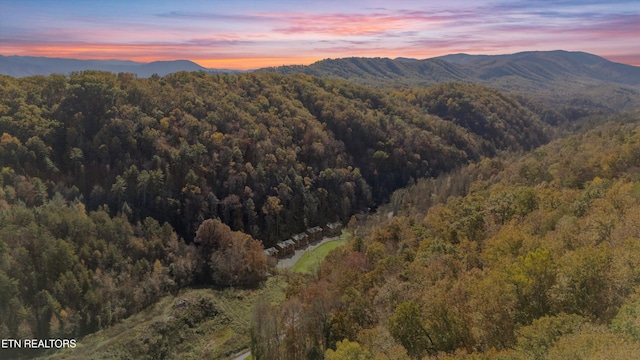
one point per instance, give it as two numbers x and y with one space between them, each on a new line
214 324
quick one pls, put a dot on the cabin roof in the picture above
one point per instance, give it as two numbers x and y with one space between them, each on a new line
271 251
299 236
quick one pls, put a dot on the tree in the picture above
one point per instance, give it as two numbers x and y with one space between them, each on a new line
405 325
381 344
76 156
271 209
536 339
627 321
533 276
235 258
266 331
347 350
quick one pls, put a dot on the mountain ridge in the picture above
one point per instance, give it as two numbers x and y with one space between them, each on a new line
451 67
473 68
21 66
569 80
562 78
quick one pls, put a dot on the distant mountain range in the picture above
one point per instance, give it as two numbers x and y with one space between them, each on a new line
561 77
529 67
533 67
20 66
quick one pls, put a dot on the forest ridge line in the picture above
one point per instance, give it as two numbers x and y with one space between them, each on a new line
459 66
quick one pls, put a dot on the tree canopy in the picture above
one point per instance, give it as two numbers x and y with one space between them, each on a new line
523 256
267 154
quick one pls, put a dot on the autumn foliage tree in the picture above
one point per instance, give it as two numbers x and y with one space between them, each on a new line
234 258
406 326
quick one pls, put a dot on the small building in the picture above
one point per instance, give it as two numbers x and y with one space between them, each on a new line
315 234
272 256
333 229
285 249
291 244
301 240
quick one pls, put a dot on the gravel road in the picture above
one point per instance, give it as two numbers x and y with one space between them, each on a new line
289 261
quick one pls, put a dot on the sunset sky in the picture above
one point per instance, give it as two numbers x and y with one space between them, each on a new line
245 34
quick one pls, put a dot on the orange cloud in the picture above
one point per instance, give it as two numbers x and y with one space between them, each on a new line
250 63
631 59
149 53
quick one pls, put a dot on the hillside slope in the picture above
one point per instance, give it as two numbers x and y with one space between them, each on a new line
530 256
558 77
195 324
549 66
268 154
113 189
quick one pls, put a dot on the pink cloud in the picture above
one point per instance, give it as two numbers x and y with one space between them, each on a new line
356 24
267 34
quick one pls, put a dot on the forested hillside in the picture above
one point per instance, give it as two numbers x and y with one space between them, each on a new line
267 154
529 256
116 191
571 82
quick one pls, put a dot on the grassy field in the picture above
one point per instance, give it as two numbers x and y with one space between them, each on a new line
311 260
195 324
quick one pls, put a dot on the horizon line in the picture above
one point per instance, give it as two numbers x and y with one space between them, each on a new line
279 62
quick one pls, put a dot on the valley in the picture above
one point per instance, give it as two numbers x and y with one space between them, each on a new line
134 211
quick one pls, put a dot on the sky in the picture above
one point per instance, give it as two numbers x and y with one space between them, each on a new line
244 34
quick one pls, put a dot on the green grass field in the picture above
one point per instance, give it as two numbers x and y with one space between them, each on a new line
311 260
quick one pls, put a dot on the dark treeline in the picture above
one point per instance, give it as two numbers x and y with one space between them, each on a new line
267 154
